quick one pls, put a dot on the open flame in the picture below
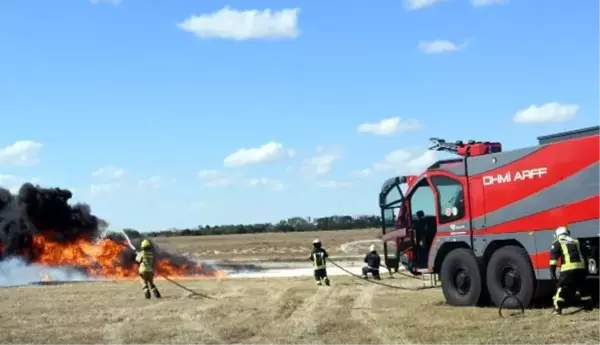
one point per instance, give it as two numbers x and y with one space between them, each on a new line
109 259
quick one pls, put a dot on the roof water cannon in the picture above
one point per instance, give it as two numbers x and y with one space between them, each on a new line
470 149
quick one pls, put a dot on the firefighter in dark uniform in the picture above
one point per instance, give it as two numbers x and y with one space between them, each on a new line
373 262
319 256
573 270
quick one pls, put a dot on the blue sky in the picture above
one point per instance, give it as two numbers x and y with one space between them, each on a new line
159 93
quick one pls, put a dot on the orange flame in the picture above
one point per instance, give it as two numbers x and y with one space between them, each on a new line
105 258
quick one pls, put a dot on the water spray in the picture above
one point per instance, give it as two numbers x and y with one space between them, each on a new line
192 292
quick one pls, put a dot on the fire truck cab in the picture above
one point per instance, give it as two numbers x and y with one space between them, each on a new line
484 221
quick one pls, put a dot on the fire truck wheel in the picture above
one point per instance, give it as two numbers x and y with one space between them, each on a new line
461 278
509 271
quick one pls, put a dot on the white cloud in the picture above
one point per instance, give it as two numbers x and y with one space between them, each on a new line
406 162
322 162
237 25
440 46
419 4
331 184
266 182
109 171
103 188
549 112
389 126
152 182
214 178
481 3
13 183
208 174
112 2
23 152
268 152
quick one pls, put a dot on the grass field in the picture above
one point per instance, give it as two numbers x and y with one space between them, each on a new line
282 310
264 246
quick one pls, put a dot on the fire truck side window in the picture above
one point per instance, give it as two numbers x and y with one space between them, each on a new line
390 217
422 199
451 204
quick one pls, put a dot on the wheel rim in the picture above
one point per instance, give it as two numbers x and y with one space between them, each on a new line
510 280
462 280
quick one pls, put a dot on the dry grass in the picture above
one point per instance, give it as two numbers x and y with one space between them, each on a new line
264 246
269 311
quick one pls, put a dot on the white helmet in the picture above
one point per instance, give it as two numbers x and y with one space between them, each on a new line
372 248
561 231
316 241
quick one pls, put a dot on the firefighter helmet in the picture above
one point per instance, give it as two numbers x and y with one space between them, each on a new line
372 248
146 244
562 231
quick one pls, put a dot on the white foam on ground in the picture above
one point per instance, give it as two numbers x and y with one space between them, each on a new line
293 272
15 272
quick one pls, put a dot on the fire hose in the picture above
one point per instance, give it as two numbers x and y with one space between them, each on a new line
506 298
194 293
380 283
501 306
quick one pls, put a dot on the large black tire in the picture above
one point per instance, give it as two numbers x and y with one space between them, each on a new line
509 271
461 278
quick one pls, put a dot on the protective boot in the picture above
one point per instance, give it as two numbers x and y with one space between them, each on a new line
326 281
156 293
588 304
147 293
319 283
557 311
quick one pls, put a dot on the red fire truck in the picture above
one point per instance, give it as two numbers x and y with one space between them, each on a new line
484 221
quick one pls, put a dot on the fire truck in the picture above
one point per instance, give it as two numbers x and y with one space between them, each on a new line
484 221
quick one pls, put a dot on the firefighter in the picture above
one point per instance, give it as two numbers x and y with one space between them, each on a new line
319 256
573 270
146 270
372 261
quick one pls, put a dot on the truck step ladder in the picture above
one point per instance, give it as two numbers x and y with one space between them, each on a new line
429 279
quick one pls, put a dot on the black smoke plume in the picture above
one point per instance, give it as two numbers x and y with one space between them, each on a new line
37 211
42 211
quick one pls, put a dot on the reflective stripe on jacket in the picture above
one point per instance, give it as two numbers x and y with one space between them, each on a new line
146 261
319 258
568 250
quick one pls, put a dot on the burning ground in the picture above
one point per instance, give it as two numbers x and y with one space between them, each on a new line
40 229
